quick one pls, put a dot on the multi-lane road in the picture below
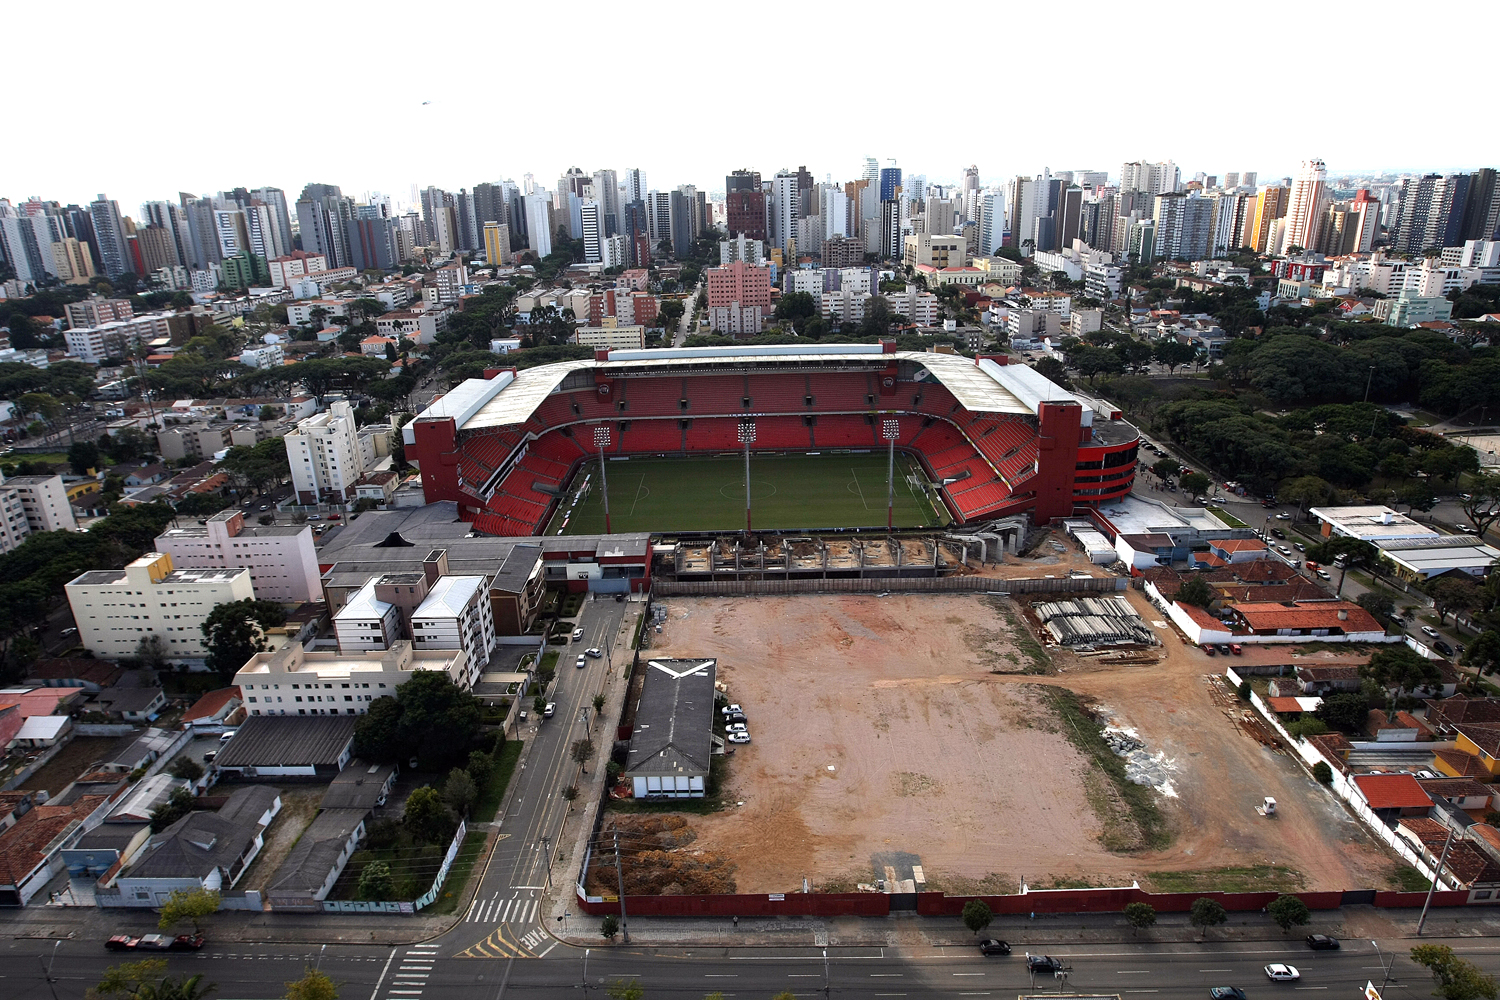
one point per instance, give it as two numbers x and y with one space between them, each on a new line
436 971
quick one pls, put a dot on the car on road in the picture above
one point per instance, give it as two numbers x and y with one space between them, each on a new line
209 756
581 662
70 630
1043 963
1227 993
1236 648
738 737
1443 647
155 942
1429 631
521 719
1299 546
577 634
1280 973
593 652
1279 533
1283 516
550 710
1323 574
1322 942
1223 648
735 717
265 506
990 946
315 517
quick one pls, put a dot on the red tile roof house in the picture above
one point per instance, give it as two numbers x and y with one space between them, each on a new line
1471 862
1238 550
1316 681
1393 795
1312 618
31 850
223 707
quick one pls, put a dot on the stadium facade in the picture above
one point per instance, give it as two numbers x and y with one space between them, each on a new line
996 439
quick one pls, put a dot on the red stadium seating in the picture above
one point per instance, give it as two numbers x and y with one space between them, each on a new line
652 436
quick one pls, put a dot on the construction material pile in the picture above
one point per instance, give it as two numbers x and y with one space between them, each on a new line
1142 767
1093 621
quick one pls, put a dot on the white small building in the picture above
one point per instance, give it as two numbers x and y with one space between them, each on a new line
115 609
293 681
266 356
325 456
457 615
366 622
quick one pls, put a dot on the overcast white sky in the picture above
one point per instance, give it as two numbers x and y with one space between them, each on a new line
142 101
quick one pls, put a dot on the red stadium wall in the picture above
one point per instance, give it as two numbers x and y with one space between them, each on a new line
1059 429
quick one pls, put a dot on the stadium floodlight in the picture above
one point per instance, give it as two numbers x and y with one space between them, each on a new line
746 431
601 441
890 429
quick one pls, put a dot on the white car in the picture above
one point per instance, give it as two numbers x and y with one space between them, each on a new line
581 663
738 737
736 727
1283 517
731 710
593 652
1282 973
577 634
1429 631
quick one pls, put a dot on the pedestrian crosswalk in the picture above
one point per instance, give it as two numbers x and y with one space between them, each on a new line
410 978
502 911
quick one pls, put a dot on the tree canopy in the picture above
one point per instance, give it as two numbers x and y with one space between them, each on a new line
429 718
235 631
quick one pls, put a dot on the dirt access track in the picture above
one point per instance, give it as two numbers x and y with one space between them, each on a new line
883 735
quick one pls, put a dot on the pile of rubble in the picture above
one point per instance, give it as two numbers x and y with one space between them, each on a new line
1141 766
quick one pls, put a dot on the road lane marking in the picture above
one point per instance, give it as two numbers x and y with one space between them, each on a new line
887 975
1215 970
1143 991
1309 987
968 973
1132 972
543 952
802 975
376 992
721 975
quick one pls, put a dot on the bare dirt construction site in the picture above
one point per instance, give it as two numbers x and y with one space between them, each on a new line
933 730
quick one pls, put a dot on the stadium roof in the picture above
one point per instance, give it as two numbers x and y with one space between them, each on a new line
985 387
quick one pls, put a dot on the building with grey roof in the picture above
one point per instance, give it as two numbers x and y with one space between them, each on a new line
317 859
207 850
672 739
360 786
281 558
289 746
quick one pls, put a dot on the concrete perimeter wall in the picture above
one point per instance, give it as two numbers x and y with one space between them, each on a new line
882 585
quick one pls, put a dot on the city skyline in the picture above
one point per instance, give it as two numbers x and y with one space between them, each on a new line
454 129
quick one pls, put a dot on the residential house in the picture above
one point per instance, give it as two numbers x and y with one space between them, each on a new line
130 704
673 735
1391 796
289 747
31 848
222 707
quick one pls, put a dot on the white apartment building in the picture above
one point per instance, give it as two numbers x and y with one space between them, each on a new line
285 270
935 250
612 337
457 614
301 313
115 609
94 344
449 282
44 500
282 560
752 252
325 455
265 356
13 525
293 681
366 622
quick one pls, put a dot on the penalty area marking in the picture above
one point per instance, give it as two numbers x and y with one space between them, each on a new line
641 493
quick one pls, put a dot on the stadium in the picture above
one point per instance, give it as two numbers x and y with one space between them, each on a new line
975 440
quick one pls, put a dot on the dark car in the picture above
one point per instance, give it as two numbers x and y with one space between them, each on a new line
1223 648
1279 533
989 946
1227 993
1443 647
1322 942
1043 963
735 717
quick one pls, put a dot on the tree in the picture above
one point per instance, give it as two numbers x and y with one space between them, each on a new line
1456 978
178 805
977 915
1483 505
1173 354
1194 483
191 906
313 985
376 882
426 817
186 767
581 751
430 718
236 631
83 457
1305 491
1346 712
1207 913
152 651
1402 668
1450 596
459 791
1166 467
1483 653
1307 725
1140 915
598 704
796 308
1196 591
1289 911
139 981
1377 603
1054 371
1322 773
1091 362
1345 553
481 766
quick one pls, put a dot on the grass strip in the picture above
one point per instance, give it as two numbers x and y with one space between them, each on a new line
469 853
1082 730
494 789
1234 878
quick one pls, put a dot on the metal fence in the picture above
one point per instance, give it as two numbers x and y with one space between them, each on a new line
881 585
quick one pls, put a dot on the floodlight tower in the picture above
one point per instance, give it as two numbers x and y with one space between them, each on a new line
890 429
747 438
601 441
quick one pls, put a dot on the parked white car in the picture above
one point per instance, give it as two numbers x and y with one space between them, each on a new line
738 737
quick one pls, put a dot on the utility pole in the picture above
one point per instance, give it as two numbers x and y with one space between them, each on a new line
601 441
547 850
620 878
47 969
1437 876
585 969
1385 970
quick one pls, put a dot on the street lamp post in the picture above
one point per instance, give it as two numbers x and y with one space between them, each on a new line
890 430
601 441
1385 970
746 432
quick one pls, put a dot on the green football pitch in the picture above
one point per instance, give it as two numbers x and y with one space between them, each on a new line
708 494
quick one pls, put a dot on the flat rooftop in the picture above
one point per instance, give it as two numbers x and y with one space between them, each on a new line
1133 515
1372 523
